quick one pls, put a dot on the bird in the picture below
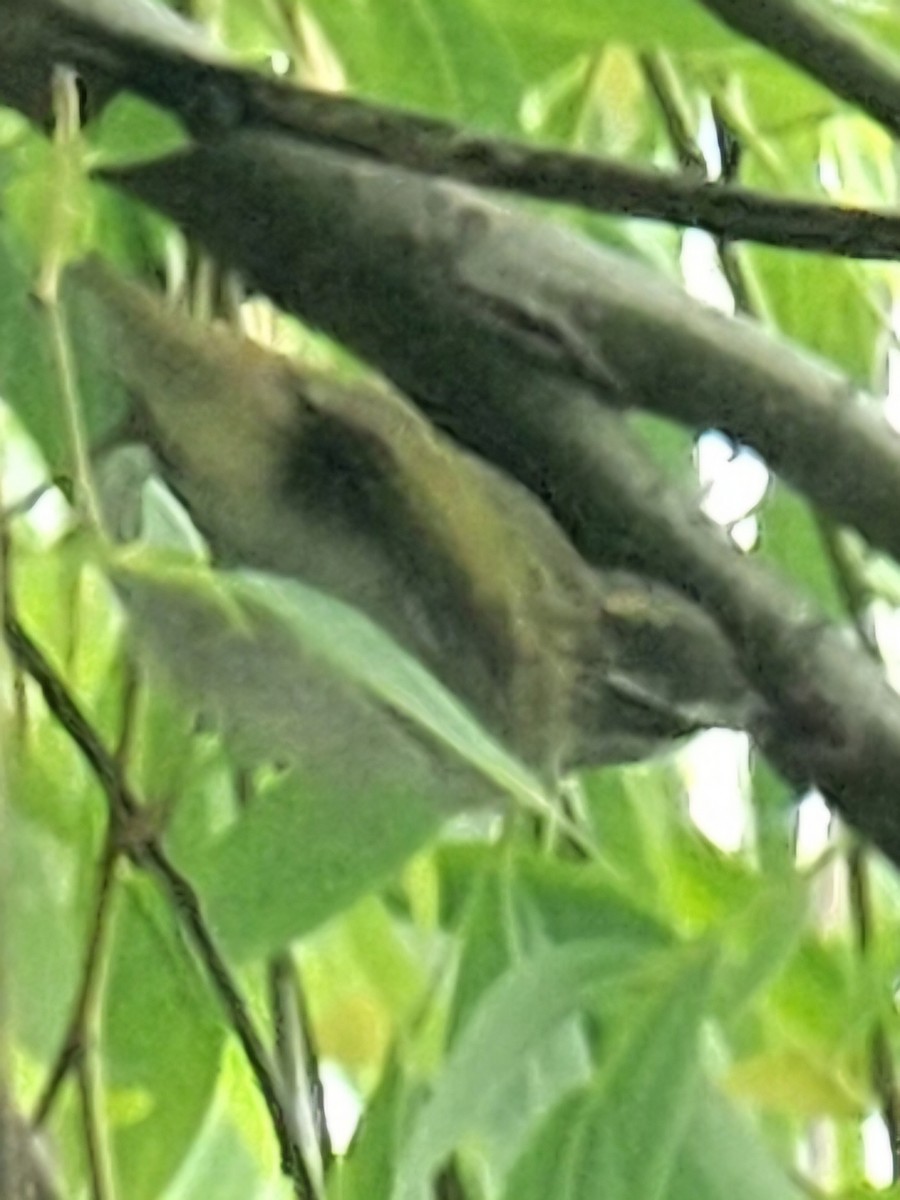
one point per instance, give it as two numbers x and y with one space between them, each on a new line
345 485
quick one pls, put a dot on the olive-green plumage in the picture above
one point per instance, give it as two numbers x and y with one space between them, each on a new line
349 488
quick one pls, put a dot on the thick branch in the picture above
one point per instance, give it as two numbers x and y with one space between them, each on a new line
458 300
800 419
846 62
213 98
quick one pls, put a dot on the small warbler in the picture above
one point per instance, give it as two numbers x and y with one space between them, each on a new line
349 488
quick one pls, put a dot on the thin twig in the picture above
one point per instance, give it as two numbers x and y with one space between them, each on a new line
97 1151
732 268
662 82
297 1055
125 810
187 906
66 131
214 98
883 1068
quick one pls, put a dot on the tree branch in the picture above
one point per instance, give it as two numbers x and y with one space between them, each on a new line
800 418
470 309
844 61
213 98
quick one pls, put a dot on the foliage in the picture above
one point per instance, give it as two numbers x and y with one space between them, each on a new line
603 1004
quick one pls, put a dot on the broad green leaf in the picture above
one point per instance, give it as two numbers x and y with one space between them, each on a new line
306 850
221 1165
51 829
761 939
517 904
629 1127
48 201
864 156
517 1015
234 1155
161 1042
646 836
763 95
724 1157
489 935
830 306
643 1108
548 900
827 305
29 376
299 676
131 127
425 54
544 37
824 1002
548 1167
515 900
378 749
27 380
619 821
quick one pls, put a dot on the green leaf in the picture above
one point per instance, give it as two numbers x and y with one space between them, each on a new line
304 852
27 382
297 675
525 1007
829 306
640 817
161 1042
427 55
130 129
48 202
234 1155
824 1001
628 1129
546 1168
775 811
789 1080
549 900
724 1157
546 36
761 939
50 836
29 379
832 307
504 924
378 748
